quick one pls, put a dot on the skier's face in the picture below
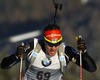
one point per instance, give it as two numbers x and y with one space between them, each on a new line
51 49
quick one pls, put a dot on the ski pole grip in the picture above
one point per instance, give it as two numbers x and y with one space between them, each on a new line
23 44
80 38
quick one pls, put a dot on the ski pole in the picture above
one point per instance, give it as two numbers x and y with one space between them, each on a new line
80 64
21 63
80 52
20 74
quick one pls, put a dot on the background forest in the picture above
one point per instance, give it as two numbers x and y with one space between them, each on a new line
78 17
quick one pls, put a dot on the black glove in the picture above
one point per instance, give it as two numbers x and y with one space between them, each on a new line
20 50
81 45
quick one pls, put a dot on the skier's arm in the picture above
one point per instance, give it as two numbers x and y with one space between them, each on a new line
87 62
8 62
11 60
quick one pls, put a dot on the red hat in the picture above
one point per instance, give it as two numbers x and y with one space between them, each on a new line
53 36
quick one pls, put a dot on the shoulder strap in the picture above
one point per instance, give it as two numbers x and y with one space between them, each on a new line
61 56
34 54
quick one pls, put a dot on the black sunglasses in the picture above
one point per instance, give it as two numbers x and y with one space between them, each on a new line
55 44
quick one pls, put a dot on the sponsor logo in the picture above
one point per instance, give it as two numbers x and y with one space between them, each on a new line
52 35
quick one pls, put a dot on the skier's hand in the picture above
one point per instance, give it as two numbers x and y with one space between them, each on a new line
81 45
20 50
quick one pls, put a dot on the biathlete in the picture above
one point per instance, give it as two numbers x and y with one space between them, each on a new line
47 58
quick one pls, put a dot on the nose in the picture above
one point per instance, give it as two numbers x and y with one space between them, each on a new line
53 47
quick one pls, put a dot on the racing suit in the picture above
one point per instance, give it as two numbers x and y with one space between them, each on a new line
51 72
